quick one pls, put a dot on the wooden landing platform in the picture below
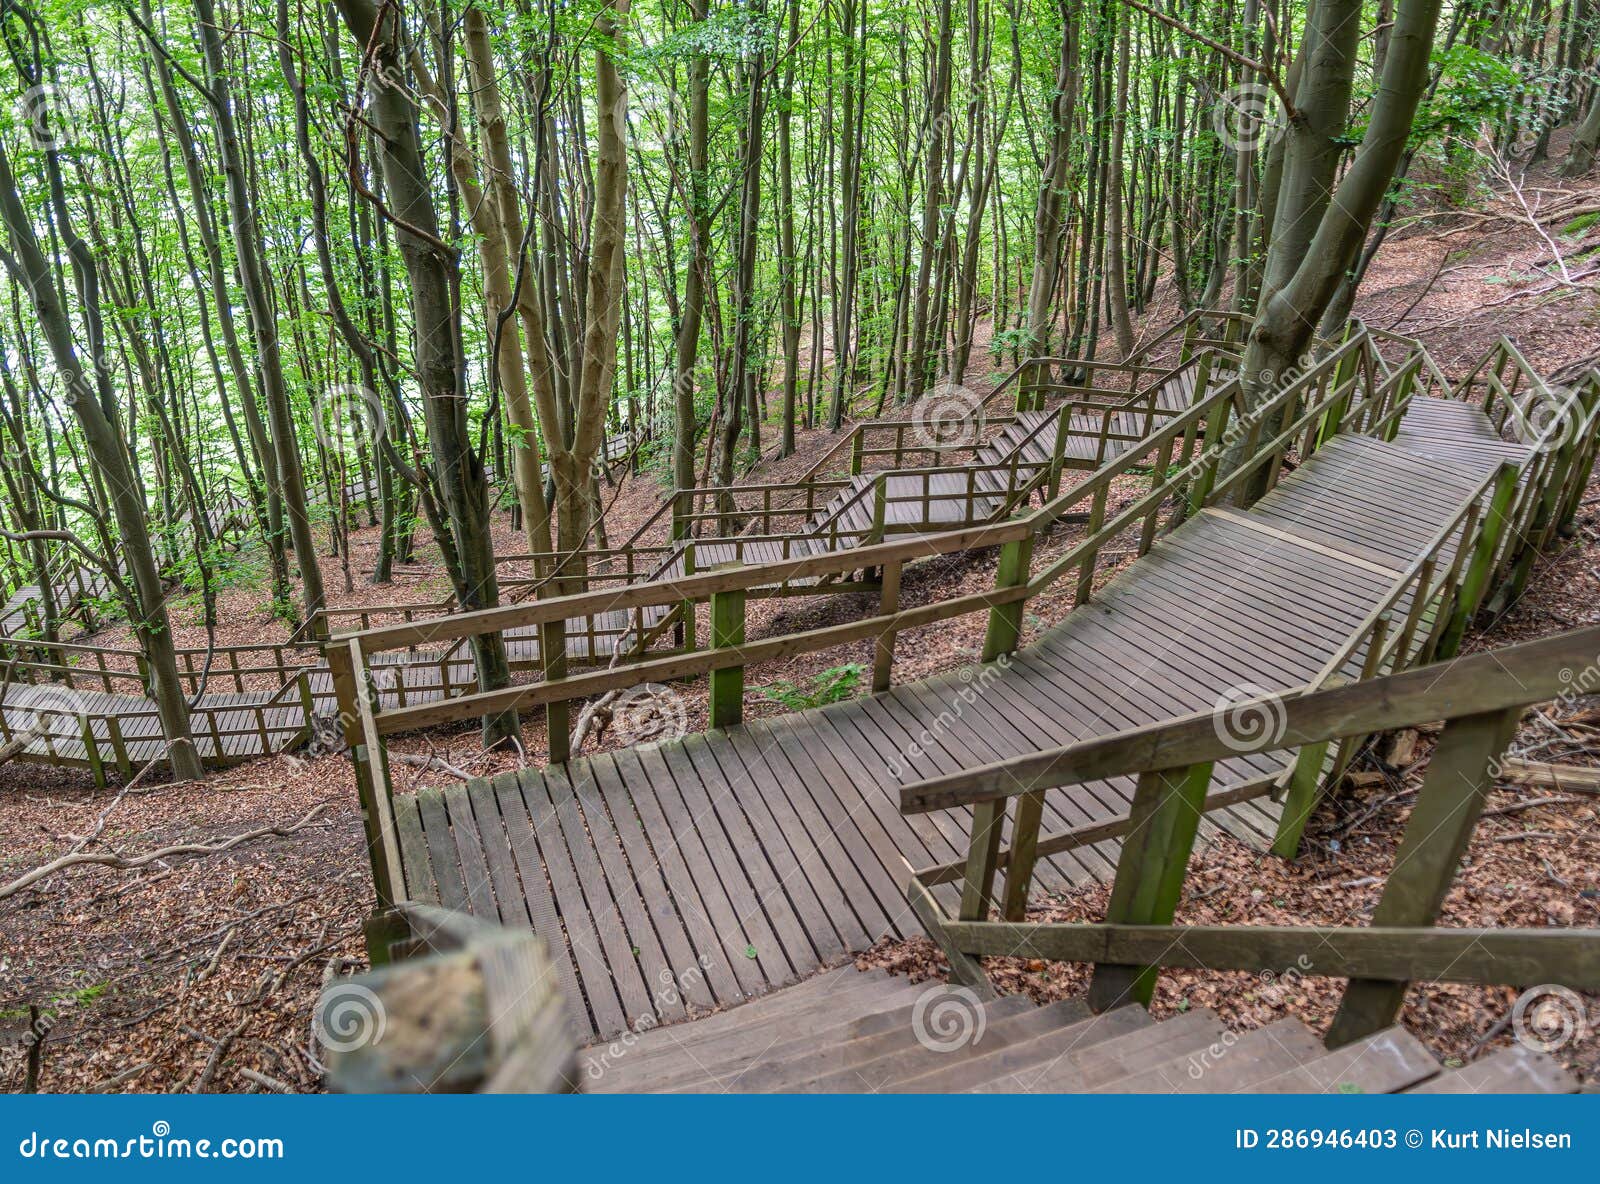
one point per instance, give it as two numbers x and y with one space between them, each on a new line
744 859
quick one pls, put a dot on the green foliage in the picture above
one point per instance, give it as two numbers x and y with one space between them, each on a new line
833 685
1475 88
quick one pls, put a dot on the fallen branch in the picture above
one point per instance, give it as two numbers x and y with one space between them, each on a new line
431 763
124 863
1515 807
1566 778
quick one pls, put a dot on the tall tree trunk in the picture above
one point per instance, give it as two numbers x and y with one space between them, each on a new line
687 351
88 384
430 263
1304 265
1050 224
286 473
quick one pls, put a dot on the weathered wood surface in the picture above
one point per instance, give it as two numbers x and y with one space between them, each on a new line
848 1032
761 852
230 728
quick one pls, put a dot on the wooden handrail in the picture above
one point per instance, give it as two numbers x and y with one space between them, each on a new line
1518 675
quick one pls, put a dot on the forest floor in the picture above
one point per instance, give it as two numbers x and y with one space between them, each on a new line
199 972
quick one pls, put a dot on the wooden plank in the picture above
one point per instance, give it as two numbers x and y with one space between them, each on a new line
610 905
418 868
842 823
782 835
668 889
674 824
755 845
508 890
442 850
576 920
724 838
469 852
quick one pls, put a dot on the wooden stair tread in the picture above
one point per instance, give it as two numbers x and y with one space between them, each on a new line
1233 1063
838 1065
1082 1069
1382 1063
1514 1070
994 1069
918 1059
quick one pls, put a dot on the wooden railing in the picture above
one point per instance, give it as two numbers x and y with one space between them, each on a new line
1480 699
1181 462
63 728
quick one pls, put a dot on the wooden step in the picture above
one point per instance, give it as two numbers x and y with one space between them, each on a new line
1514 1070
838 1063
1082 1069
724 1032
887 1072
787 1036
1234 1063
1382 1063
831 988
1003 1069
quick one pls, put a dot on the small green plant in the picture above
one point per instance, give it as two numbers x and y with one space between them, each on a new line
831 686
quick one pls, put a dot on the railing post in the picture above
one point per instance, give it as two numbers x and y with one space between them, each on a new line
1476 582
686 630
1097 519
91 751
557 712
880 508
1206 477
1300 799
1005 620
1435 838
888 605
857 444
983 855
727 632
1058 453
1371 665
1024 854
1162 822
371 766
680 516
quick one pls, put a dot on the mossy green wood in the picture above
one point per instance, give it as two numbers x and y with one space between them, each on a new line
1436 835
727 632
1476 581
1005 620
1164 816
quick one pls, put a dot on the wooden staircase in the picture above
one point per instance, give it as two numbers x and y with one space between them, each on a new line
849 1032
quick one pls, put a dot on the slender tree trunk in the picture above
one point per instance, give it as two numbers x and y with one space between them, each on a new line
429 264
287 472
94 404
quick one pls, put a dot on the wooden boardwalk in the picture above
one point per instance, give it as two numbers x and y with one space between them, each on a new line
733 862
235 727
